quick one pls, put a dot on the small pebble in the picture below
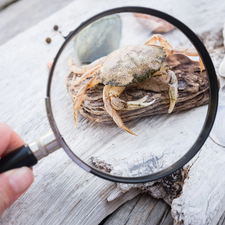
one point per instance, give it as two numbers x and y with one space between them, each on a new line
48 40
55 27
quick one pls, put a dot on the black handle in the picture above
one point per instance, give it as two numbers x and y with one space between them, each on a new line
22 156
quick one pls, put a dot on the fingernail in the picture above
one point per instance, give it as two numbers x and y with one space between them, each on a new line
21 179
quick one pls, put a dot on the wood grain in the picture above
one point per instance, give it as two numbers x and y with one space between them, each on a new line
62 192
142 210
23 14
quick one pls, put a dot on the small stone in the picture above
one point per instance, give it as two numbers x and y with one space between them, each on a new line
55 27
48 40
98 39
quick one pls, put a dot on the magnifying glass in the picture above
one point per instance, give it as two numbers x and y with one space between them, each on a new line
126 93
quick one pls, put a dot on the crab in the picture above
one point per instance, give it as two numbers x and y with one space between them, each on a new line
125 67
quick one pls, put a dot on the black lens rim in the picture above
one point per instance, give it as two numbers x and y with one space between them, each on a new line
212 109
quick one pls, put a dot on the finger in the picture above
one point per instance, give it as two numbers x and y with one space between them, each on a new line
13 184
9 140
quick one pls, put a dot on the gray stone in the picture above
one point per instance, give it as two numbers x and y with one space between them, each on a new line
98 39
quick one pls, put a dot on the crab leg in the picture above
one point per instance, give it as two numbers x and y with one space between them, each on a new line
162 40
82 69
80 96
119 104
169 77
170 50
86 75
116 102
111 111
189 52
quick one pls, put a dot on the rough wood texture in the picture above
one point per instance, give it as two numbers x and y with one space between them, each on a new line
6 3
202 199
198 193
222 220
142 210
24 14
167 188
63 193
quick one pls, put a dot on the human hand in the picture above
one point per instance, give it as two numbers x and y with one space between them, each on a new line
15 182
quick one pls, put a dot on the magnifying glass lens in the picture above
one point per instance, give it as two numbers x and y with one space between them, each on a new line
130 95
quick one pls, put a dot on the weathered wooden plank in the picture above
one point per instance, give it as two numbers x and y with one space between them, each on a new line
208 208
24 14
122 214
142 210
126 211
222 220
6 3
55 197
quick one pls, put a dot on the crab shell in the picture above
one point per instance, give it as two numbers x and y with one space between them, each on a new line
131 64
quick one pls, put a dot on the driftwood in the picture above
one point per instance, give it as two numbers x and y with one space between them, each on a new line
167 188
192 87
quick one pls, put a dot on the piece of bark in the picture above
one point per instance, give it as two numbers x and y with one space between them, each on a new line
192 92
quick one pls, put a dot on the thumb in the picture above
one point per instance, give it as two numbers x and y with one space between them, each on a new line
13 184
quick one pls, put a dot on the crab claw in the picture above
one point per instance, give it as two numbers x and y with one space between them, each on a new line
169 77
170 50
139 103
112 112
173 92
